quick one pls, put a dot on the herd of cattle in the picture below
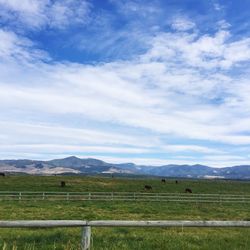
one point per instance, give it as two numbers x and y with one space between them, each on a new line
149 187
146 187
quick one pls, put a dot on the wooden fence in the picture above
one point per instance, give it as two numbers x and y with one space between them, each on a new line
86 225
124 196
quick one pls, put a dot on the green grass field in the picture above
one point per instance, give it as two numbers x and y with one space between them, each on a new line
123 238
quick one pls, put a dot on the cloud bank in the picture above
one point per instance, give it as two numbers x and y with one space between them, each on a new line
184 99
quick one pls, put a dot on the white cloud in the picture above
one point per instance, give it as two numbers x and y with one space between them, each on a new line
191 148
207 52
30 6
69 149
25 133
218 7
40 13
14 47
129 8
68 12
223 24
189 49
182 24
223 158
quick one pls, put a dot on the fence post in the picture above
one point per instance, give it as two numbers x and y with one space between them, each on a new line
20 196
67 196
86 237
89 196
43 196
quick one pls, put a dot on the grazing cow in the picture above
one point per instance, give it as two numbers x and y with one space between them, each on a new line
63 184
188 190
176 182
163 180
2 174
148 187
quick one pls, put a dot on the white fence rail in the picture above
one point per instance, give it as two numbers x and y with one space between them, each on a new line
86 225
124 196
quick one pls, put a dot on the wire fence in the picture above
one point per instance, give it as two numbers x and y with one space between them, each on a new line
123 196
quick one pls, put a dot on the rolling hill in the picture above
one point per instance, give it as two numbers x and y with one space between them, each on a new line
76 165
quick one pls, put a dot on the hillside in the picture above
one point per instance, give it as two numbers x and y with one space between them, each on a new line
94 166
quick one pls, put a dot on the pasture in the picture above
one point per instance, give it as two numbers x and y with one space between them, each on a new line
123 238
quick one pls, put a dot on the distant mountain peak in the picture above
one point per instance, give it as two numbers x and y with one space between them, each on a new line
73 164
71 158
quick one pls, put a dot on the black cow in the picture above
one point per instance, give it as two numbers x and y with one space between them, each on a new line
163 180
2 174
188 190
148 187
176 182
63 184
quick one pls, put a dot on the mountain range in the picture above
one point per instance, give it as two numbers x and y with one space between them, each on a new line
74 165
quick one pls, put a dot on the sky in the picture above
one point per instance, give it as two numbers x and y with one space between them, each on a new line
152 82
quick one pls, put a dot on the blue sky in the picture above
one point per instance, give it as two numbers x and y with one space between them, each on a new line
149 82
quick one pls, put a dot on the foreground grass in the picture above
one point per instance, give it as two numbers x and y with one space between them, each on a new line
128 238
123 238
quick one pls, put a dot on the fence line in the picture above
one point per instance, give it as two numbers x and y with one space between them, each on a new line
115 192
124 196
86 225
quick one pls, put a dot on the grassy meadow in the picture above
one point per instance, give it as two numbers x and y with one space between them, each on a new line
123 238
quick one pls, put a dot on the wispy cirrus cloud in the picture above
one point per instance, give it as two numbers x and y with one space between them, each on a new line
16 47
36 14
182 24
